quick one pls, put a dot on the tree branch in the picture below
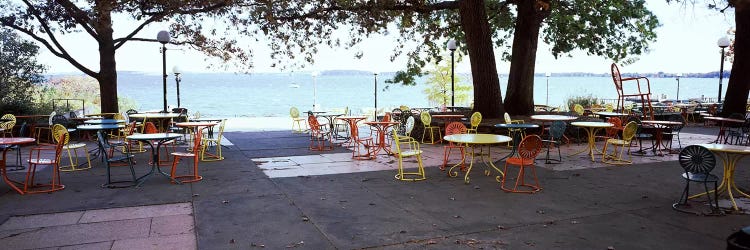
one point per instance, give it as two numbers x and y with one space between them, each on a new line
51 48
154 16
317 13
80 16
121 41
62 53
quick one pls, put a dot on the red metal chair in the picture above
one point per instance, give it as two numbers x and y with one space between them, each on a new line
645 97
361 142
39 156
454 128
614 131
320 137
195 153
528 149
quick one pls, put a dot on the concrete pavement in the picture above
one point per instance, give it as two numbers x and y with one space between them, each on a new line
584 205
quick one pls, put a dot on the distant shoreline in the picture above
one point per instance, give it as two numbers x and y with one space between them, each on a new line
713 74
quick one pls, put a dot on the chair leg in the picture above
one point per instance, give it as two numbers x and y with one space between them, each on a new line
174 167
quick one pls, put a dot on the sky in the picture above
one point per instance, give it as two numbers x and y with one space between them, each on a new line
686 42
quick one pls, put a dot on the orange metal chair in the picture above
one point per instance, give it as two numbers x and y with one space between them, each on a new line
454 128
320 137
195 153
614 131
38 156
361 142
150 128
528 149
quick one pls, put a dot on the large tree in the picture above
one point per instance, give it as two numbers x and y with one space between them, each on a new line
19 72
618 30
735 100
615 29
45 21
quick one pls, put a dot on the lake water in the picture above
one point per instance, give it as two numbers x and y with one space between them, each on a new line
263 95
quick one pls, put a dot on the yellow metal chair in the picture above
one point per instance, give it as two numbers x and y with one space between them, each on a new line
476 119
628 108
294 113
6 128
408 148
578 109
216 141
57 132
616 157
507 119
609 107
426 121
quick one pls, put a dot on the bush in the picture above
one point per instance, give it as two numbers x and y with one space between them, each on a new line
585 101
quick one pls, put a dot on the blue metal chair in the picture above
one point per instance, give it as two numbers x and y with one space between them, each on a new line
556 132
697 162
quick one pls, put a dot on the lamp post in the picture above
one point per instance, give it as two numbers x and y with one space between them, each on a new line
678 86
177 71
375 74
163 38
723 42
452 48
546 102
315 91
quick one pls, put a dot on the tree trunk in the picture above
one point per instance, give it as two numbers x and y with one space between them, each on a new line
487 95
739 81
107 76
519 98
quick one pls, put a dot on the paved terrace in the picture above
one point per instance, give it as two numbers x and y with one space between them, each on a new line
271 192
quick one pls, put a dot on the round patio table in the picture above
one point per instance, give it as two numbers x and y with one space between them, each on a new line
729 155
516 129
550 118
659 127
722 126
103 121
162 119
150 139
352 122
477 140
591 129
97 127
381 128
12 141
605 115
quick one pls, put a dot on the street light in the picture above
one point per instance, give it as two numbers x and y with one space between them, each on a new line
375 74
546 103
678 86
452 48
163 38
315 91
723 42
177 71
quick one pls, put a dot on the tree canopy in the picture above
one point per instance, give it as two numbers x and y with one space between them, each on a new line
617 29
19 72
